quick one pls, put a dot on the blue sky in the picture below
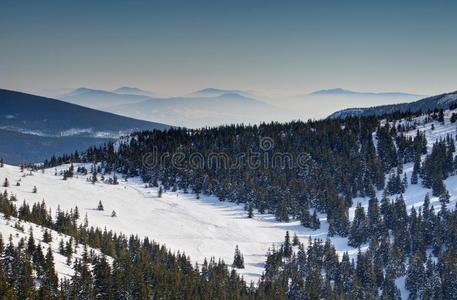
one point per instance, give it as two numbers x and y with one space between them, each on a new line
272 47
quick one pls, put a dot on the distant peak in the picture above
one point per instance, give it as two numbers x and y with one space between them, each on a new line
215 92
128 89
334 91
82 89
231 95
133 91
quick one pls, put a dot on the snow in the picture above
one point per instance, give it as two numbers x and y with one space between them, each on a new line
201 228
63 270
400 283
205 227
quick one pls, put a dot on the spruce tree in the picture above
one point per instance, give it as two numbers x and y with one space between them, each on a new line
238 260
358 233
250 211
315 223
287 247
47 236
305 217
415 278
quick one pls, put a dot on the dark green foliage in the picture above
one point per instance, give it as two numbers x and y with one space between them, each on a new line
238 259
358 233
438 165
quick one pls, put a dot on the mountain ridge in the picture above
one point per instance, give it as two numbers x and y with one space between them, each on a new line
441 101
342 91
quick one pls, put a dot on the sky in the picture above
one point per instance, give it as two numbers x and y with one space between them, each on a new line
270 47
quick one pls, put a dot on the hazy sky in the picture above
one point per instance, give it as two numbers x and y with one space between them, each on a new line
272 47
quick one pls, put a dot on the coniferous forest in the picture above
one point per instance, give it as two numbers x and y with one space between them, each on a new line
345 158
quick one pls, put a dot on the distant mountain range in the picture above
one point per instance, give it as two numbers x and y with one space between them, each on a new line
206 107
214 106
430 103
319 104
344 92
100 99
25 118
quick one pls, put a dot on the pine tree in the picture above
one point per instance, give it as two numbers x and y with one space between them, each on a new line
287 247
444 198
100 205
315 223
61 247
295 240
415 278
30 244
358 233
6 183
238 260
159 194
414 176
34 189
47 236
305 217
94 177
441 116
250 211
113 214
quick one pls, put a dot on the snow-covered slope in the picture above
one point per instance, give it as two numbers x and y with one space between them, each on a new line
440 101
415 194
201 228
8 228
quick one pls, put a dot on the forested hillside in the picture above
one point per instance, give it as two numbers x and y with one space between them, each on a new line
383 185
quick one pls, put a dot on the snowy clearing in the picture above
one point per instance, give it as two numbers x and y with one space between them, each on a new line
201 228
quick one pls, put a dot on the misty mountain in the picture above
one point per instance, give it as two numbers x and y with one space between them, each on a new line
321 103
344 92
214 92
443 101
134 91
99 99
228 108
206 107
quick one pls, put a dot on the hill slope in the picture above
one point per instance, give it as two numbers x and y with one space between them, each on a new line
17 147
50 117
32 128
443 101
